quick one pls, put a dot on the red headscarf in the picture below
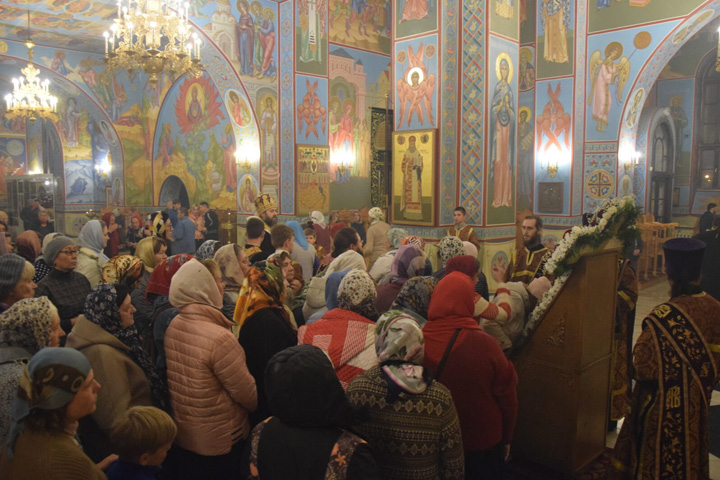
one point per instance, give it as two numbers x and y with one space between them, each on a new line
466 264
160 278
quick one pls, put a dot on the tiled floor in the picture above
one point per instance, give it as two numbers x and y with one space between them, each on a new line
649 297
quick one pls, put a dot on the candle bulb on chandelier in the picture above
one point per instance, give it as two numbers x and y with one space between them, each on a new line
107 36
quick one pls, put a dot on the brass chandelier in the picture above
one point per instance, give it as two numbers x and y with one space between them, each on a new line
31 98
155 36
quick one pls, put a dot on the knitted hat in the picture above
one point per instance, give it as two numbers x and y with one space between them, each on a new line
264 202
11 268
53 248
683 258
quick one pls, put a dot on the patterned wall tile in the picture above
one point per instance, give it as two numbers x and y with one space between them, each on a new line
449 101
287 147
599 179
581 8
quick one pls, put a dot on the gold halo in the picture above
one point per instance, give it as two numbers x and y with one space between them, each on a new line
413 70
526 110
528 52
614 46
506 57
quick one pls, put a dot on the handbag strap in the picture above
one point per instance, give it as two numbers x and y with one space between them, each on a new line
441 366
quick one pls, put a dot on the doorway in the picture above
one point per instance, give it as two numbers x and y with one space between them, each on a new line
173 188
662 166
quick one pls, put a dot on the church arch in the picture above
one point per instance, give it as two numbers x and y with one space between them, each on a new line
174 188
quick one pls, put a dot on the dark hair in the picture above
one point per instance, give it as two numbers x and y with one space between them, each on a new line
684 287
183 210
716 222
122 292
310 232
461 210
204 204
254 228
176 200
41 420
711 205
538 221
343 239
279 234
158 243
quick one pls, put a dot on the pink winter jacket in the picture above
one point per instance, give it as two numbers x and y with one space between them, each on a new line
211 389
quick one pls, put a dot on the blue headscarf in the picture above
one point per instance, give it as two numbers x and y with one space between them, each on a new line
300 238
331 288
91 236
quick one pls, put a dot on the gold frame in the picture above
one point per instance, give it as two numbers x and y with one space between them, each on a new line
426 145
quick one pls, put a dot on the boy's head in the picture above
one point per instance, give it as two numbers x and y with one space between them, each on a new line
144 435
310 235
282 237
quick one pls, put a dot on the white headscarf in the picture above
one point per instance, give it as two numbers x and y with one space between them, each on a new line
376 214
318 217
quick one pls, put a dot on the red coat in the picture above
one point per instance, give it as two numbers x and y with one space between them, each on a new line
481 379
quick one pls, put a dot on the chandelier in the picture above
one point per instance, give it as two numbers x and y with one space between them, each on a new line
30 97
153 35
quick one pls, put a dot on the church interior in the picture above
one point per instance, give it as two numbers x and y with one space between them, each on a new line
504 107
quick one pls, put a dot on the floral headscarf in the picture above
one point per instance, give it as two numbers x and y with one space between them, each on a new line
27 245
49 382
27 324
449 247
91 236
262 288
102 309
395 236
206 251
413 240
409 262
400 348
376 214
159 282
232 274
124 269
358 294
415 296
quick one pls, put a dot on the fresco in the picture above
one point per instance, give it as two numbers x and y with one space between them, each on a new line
359 81
679 96
528 15
13 160
526 150
452 102
501 132
614 62
80 182
286 153
526 69
685 62
255 34
267 112
504 17
363 24
313 192
610 14
247 190
311 118
416 83
555 38
311 36
701 201
414 17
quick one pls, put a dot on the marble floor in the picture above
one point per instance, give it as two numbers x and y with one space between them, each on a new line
651 295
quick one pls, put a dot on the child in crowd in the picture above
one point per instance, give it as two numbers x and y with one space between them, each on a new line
143 437
319 250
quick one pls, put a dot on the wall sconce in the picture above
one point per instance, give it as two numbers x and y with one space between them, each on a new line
717 62
246 157
633 161
550 166
104 166
344 162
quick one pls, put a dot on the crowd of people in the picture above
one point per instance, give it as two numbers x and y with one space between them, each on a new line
334 349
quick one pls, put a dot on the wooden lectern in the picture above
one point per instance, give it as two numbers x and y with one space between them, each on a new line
564 371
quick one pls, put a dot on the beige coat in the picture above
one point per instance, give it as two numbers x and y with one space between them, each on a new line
377 243
211 389
90 265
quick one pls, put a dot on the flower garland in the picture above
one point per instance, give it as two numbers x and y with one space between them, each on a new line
543 304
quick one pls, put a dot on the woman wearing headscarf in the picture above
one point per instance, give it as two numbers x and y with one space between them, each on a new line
28 246
450 247
159 225
308 436
113 244
211 389
377 240
134 233
409 262
410 441
152 251
25 328
322 230
106 335
414 298
234 265
303 253
346 333
358 225
263 325
331 295
124 269
44 417
199 219
41 266
383 264
16 283
91 258
207 250
481 379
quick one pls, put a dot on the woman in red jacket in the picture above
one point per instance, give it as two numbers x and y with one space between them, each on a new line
481 379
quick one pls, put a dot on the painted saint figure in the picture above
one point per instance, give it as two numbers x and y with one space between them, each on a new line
166 145
268 127
245 32
503 122
240 112
247 195
414 10
72 123
504 8
603 73
194 111
266 39
526 70
412 167
556 21
227 143
526 143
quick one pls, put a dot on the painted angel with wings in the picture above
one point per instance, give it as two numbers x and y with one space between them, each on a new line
613 69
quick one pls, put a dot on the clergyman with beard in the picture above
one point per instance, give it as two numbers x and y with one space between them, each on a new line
266 209
527 260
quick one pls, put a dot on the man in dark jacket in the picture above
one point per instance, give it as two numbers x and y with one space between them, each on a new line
706 220
211 222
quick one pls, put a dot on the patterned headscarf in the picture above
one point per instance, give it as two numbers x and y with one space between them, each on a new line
413 240
262 288
449 247
376 214
400 348
357 293
415 296
27 245
300 237
158 223
145 251
395 236
409 262
232 274
124 269
91 237
159 282
206 251
27 324
49 382
101 308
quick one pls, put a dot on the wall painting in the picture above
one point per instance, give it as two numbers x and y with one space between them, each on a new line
311 36
13 160
504 17
413 183
415 16
555 38
363 24
416 81
528 15
611 14
311 117
313 181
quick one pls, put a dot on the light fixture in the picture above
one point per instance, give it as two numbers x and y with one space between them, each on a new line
246 157
344 161
31 97
633 161
717 62
153 35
